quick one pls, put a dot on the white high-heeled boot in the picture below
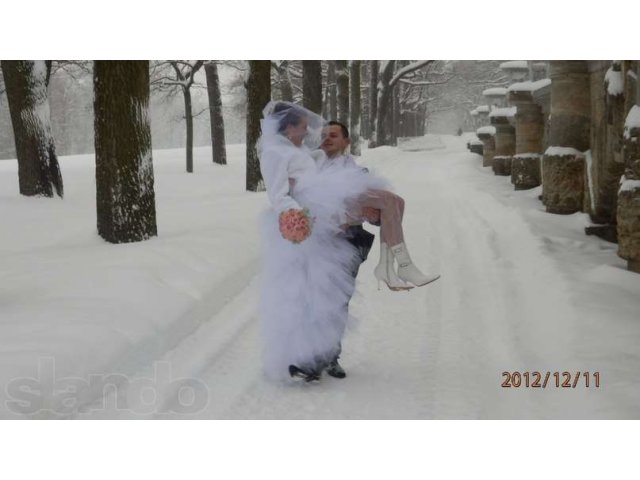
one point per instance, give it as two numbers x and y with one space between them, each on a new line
384 271
407 271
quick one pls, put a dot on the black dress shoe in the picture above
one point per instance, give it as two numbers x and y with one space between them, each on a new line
305 374
335 370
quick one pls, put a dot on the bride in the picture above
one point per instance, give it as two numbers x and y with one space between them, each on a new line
308 263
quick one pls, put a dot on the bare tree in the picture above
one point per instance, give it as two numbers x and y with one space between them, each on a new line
330 107
218 148
283 81
26 86
76 69
354 124
173 74
125 196
342 84
387 80
312 85
258 95
384 94
373 100
458 85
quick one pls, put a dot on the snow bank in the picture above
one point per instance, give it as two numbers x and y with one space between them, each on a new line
92 306
98 307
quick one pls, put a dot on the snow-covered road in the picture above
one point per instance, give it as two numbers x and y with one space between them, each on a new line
512 298
521 291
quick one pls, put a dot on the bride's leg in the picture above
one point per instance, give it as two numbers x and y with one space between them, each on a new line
391 208
391 213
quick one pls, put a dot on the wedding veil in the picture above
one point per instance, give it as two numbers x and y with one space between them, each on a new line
278 114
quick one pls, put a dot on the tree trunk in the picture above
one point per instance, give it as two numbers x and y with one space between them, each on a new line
342 83
396 117
384 97
373 101
26 86
421 122
48 65
188 115
355 107
331 89
312 85
125 196
218 146
364 100
258 95
284 82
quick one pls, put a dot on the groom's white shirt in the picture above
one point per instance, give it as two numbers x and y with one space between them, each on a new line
342 160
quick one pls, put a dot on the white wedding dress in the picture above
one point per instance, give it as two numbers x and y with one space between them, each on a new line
305 287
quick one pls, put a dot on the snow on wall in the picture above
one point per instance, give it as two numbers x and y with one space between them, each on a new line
515 65
529 86
632 121
589 160
503 112
498 91
627 184
614 82
489 130
563 152
527 156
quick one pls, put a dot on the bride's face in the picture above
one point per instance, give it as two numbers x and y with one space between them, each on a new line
297 133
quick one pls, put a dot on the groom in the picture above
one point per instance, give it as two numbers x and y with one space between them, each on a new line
334 144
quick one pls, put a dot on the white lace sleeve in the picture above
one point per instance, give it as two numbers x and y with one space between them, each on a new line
276 179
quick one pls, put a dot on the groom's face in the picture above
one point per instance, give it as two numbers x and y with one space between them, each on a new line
333 142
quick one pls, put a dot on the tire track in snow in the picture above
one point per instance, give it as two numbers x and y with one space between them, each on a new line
505 308
182 346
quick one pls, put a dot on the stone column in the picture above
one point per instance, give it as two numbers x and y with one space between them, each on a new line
605 166
487 135
526 164
496 97
628 215
476 146
563 162
483 115
501 118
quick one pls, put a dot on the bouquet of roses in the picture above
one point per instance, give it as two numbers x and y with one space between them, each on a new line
295 225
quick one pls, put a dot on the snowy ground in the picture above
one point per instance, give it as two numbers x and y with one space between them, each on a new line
521 290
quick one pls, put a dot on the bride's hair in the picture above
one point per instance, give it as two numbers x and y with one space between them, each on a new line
287 114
